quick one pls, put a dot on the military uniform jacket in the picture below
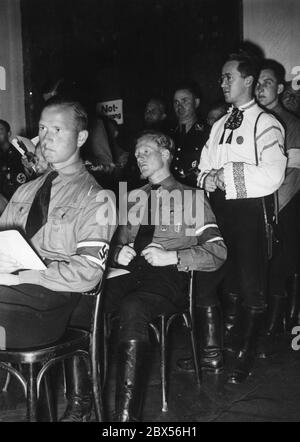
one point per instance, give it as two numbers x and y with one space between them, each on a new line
188 149
183 221
12 172
75 240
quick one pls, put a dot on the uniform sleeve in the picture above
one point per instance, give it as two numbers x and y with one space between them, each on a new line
291 184
84 269
6 218
210 251
243 180
289 188
204 165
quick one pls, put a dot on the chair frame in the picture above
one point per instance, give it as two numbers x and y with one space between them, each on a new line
161 334
82 343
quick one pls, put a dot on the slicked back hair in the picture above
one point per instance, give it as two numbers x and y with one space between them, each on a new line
79 112
248 65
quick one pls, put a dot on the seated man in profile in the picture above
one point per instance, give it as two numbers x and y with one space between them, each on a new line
170 230
58 213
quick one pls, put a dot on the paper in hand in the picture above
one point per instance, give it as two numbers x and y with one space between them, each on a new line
14 245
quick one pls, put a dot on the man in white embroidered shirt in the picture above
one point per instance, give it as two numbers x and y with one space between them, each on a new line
241 166
67 233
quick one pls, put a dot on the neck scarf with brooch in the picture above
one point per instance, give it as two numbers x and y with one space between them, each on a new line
234 121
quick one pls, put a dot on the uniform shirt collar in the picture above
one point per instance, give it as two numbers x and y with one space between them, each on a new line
71 171
167 183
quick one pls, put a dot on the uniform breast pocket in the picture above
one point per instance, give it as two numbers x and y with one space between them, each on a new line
20 213
170 226
59 232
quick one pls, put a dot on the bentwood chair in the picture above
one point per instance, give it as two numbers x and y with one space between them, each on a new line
33 363
161 326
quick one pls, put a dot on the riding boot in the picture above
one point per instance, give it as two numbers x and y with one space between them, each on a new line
232 311
210 331
131 380
268 342
209 339
78 391
251 326
293 304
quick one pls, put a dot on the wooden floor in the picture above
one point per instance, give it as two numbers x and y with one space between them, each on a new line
272 393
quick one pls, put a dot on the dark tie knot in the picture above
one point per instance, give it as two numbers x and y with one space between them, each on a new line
51 177
155 186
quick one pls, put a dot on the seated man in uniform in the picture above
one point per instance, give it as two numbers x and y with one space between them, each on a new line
170 230
58 213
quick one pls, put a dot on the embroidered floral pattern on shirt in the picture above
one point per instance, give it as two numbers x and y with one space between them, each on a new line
239 180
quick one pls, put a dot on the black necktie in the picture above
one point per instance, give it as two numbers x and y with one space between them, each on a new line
146 230
234 121
38 213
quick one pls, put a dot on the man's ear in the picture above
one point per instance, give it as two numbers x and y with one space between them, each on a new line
82 137
164 116
165 153
249 80
197 102
280 88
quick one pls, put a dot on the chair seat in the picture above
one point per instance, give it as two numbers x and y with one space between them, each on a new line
73 339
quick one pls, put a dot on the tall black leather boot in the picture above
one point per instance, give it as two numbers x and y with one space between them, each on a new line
232 314
252 319
79 393
268 342
293 302
131 380
210 334
209 339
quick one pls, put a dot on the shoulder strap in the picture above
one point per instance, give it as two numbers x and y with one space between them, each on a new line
275 194
255 132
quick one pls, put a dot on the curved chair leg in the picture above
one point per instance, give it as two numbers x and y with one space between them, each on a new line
31 395
7 382
163 362
105 339
195 357
97 394
97 381
64 378
49 398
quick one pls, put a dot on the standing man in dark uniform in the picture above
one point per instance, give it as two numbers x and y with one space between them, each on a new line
189 136
12 171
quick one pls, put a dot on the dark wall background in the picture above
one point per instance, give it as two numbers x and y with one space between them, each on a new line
128 49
